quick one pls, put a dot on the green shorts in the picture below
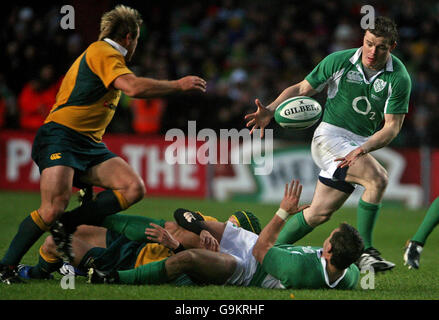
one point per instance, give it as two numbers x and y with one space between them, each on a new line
55 144
120 254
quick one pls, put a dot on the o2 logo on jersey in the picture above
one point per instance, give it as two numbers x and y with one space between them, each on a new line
366 111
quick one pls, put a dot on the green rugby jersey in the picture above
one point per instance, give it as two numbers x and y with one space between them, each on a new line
300 267
354 102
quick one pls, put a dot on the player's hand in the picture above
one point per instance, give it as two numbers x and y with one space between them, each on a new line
208 241
162 236
189 83
351 157
290 201
259 119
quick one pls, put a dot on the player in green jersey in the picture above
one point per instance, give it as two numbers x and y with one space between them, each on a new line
414 246
246 259
364 87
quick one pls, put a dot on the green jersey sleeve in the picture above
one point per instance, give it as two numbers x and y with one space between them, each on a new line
328 68
399 95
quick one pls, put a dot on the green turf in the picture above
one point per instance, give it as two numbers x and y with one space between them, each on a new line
394 226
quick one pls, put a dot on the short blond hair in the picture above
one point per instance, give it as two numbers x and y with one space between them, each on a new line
120 21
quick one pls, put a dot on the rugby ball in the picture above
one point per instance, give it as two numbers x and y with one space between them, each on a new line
298 113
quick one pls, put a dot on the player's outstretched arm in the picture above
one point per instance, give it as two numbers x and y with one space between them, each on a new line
262 117
140 87
288 206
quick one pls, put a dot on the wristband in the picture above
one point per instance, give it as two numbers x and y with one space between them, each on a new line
281 213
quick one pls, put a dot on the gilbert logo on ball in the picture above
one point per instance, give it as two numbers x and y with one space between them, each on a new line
298 113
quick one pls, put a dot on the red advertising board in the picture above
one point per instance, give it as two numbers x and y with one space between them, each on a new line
146 155
434 182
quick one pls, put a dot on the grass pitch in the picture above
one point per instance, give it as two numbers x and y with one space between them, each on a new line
394 226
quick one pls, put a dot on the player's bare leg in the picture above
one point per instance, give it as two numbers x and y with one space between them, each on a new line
203 265
325 202
55 189
55 186
116 174
96 236
123 188
373 177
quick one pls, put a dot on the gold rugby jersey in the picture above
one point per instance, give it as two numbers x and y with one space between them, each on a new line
85 101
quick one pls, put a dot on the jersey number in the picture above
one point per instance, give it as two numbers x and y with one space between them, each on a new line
368 107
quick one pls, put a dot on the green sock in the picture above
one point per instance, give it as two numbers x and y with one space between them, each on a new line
43 269
367 214
295 229
133 227
431 220
28 233
151 273
92 212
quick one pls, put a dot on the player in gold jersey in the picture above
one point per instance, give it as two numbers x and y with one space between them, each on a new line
68 148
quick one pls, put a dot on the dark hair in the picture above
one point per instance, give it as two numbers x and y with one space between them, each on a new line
385 27
347 246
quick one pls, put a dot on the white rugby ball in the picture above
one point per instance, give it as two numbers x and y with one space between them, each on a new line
298 113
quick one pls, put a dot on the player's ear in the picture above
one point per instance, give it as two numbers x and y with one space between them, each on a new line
329 247
393 46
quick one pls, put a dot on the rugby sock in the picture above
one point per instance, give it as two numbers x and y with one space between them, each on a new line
93 212
133 227
47 264
294 229
367 213
29 231
151 273
431 220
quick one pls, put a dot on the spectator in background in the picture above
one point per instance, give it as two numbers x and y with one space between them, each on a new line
37 98
214 39
8 105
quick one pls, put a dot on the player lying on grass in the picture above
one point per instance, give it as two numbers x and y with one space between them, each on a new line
414 246
121 243
246 259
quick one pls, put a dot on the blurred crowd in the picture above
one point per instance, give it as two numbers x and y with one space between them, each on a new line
244 49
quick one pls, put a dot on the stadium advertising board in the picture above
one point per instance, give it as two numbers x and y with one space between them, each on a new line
240 184
145 155
223 181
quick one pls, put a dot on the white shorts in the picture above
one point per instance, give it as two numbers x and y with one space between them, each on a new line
331 142
239 243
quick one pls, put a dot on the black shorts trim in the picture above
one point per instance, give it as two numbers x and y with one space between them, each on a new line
340 173
339 185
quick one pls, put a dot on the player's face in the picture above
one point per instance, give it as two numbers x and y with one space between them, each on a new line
376 51
132 46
